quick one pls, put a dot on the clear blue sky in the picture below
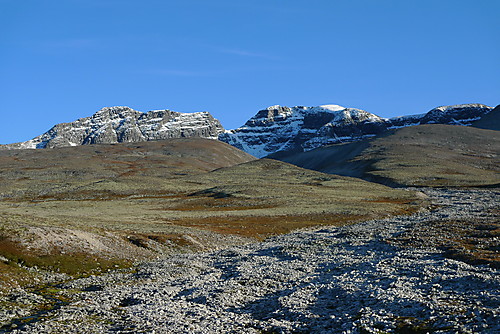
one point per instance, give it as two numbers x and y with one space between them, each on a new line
65 59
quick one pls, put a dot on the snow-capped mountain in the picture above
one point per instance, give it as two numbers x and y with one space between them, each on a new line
461 114
123 124
280 128
300 128
271 130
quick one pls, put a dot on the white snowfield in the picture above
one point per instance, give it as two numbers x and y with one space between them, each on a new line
350 279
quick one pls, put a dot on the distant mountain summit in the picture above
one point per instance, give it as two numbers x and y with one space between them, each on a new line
123 124
280 128
271 131
299 129
461 114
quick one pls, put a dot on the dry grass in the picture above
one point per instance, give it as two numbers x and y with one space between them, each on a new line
265 226
74 263
426 155
124 203
474 241
13 276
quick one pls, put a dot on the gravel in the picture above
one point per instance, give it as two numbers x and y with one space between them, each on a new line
351 279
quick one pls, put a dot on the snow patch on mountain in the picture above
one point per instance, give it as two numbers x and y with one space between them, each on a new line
279 128
300 128
461 114
123 124
404 121
276 128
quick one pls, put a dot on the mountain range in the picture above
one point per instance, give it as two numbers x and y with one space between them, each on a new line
272 130
299 129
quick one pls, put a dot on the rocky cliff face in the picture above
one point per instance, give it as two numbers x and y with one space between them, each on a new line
300 129
123 124
461 114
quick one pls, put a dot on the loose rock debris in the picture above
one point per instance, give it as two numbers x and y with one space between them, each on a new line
379 276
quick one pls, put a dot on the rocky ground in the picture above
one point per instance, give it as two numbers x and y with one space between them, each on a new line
406 274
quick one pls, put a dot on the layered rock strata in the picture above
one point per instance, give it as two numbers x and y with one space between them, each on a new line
299 129
123 124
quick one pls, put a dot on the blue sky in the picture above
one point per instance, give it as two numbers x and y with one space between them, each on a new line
65 59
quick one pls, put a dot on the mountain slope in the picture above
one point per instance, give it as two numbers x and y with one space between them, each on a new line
131 168
299 129
123 124
302 128
490 121
425 155
92 207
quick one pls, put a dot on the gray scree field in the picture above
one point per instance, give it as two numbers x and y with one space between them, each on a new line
371 277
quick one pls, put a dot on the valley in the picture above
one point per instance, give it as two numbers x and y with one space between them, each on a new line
392 229
114 205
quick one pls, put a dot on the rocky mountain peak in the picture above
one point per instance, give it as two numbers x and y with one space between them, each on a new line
353 115
278 128
269 115
273 129
460 114
113 112
123 124
300 128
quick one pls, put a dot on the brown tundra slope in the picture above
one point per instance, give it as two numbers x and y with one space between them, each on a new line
83 209
426 155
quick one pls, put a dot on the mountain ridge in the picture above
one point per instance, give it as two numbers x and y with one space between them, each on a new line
123 124
280 128
290 129
272 130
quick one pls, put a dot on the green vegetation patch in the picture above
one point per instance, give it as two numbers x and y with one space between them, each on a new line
74 263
